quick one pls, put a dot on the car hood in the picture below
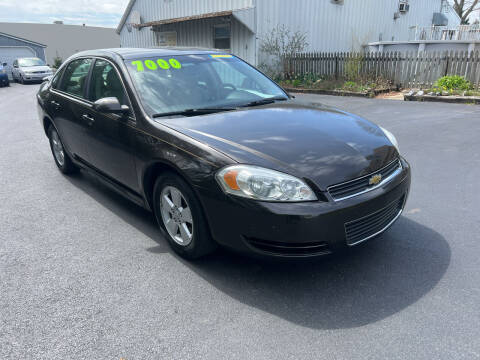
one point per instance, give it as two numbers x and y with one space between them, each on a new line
36 68
325 145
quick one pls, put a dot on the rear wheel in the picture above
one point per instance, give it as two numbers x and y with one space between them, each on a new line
179 213
63 161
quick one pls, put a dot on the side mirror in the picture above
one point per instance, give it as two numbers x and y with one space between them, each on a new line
47 78
110 105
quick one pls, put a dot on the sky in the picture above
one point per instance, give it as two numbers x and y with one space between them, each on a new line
76 12
105 13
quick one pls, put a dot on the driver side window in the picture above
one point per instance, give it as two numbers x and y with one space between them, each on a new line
105 83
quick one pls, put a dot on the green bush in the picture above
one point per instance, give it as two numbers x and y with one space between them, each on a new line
353 66
57 62
350 85
453 83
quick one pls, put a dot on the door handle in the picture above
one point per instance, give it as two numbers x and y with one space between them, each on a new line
90 120
54 103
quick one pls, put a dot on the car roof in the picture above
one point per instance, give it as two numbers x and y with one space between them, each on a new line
132 53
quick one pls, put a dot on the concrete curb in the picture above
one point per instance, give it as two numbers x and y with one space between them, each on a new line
369 94
445 99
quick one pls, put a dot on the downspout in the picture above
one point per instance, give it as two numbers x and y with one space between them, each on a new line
255 10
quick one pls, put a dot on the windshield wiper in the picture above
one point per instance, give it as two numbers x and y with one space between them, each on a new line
264 101
193 112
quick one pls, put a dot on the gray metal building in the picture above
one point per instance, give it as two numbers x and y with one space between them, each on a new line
239 25
63 40
13 47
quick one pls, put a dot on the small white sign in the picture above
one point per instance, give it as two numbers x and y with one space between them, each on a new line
167 38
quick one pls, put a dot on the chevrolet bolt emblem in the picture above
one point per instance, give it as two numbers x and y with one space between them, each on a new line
375 179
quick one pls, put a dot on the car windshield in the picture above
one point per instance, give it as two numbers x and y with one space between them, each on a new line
30 62
171 84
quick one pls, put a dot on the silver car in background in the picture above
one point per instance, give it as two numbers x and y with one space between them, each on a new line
30 70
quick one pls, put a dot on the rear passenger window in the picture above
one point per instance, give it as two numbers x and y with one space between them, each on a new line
75 77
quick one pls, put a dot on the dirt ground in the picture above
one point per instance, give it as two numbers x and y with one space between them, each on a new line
394 95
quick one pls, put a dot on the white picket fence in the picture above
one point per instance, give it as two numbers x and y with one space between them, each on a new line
407 70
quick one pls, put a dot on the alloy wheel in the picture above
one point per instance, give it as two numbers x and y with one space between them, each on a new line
176 215
57 148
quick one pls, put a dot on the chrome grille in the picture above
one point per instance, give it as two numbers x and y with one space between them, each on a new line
371 225
361 185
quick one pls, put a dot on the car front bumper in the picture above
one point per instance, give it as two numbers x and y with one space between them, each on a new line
306 229
35 77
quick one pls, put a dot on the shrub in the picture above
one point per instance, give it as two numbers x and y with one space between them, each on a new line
453 83
57 62
350 85
353 66
279 43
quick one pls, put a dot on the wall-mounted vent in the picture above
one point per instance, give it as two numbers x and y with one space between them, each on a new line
403 7
337 2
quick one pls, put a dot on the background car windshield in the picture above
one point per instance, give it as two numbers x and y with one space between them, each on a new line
31 62
177 83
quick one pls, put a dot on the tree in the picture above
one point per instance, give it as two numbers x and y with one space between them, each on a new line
280 43
57 62
465 8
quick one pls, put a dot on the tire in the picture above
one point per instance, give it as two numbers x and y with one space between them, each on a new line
200 243
62 159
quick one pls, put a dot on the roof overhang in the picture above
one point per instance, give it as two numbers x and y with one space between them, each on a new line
22 39
184 19
246 16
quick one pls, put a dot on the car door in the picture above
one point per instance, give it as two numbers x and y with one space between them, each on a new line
67 104
110 137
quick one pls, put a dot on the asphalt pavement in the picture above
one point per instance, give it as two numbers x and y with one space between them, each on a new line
84 274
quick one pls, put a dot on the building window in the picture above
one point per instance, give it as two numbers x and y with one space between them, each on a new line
222 37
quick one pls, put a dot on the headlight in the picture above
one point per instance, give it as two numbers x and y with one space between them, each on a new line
258 183
391 137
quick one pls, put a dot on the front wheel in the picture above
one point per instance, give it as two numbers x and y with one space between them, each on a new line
179 213
63 161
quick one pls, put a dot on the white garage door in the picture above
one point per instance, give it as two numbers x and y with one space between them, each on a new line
9 53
